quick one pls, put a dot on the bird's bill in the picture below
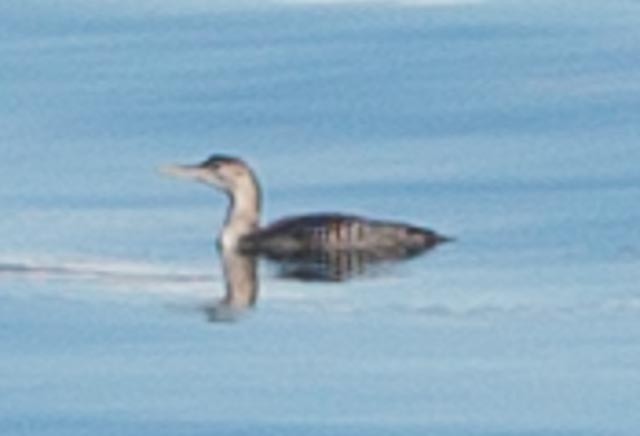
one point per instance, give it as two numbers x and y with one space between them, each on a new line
185 172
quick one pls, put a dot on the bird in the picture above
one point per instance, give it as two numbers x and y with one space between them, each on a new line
303 236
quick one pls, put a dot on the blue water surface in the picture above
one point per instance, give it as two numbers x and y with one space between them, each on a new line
510 125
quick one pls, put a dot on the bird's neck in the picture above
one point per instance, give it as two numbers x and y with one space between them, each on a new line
243 216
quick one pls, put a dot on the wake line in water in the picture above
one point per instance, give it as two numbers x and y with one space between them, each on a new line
107 271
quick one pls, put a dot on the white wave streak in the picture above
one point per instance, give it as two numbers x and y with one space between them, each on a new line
172 7
629 305
423 3
101 271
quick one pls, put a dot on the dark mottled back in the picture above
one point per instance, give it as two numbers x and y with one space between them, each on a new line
303 235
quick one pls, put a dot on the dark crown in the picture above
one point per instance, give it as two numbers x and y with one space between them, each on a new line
219 159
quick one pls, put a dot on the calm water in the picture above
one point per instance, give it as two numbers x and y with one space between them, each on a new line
511 125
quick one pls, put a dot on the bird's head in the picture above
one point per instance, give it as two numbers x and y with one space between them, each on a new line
223 172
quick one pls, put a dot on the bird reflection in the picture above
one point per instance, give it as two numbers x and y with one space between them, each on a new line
241 281
240 272
339 265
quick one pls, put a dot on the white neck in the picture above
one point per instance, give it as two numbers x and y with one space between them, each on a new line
243 216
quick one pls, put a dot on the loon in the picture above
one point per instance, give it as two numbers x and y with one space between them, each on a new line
298 236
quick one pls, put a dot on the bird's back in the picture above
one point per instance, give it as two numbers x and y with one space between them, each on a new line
308 234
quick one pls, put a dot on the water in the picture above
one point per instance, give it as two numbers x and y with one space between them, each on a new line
510 125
